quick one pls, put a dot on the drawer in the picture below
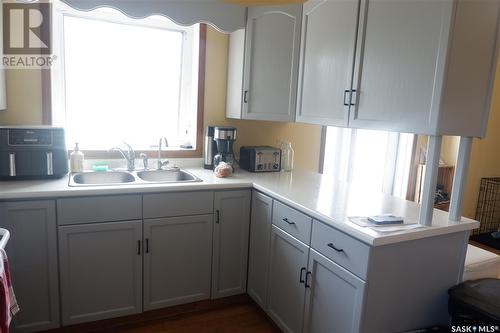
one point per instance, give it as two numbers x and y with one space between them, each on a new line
292 221
98 209
178 204
341 248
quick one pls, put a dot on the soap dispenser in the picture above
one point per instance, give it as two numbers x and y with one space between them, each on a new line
76 159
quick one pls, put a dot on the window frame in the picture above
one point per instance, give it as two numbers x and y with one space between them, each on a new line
197 152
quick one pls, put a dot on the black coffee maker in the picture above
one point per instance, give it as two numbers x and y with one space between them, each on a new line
224 137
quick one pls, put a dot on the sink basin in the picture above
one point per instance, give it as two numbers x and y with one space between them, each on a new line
174 175
101 178
167 176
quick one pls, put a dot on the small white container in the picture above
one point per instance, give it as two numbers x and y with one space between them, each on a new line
287 157
76 160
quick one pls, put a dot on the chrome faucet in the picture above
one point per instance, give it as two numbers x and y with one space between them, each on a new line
145 162
129 156
161 163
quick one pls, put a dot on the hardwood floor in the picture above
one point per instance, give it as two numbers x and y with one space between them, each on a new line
238 314
484 247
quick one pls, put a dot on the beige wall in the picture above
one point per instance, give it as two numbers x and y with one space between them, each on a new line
24 98
485 156
449 148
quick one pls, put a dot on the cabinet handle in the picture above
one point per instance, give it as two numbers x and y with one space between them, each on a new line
217 216
351 99
301 277
285 219
307 285
330 245
138 247
147 245
345 97
245 96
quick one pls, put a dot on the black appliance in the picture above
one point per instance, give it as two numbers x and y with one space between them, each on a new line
260 159
32 153
210 148
224 137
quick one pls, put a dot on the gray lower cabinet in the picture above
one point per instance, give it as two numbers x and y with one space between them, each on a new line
101 270
32 251
177 260
230 243
334 297
260 238
287 275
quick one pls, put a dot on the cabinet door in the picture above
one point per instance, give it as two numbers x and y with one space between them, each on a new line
271 62
32 251
327 59
287 272
101 270
260 238
401 53
177 260
230 245
334 298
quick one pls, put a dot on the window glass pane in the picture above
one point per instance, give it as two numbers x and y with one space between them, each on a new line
369 159
122 83
375 160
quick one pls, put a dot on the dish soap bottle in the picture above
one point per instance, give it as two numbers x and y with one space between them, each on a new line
76 160
287 156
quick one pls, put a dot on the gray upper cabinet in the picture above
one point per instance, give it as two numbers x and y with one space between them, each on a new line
413 66
334 298
266 87
327 60
425 66
401 69
230 242
260 238
177 260
287 275
101 270
32 251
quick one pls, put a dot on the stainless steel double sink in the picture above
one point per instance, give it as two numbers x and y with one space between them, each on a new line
94 178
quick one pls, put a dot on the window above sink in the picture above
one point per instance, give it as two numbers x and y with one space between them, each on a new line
119 78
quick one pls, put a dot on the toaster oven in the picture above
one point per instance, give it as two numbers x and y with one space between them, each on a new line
260 158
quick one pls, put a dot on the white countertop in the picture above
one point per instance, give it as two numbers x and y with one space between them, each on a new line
324 199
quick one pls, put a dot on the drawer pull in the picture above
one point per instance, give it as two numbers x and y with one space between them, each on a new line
288 221
330 245
301 277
